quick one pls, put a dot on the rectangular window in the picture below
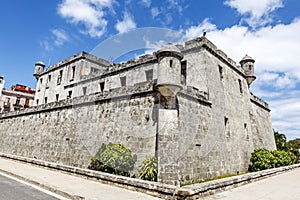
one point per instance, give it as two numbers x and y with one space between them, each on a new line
225 121
40 84
84 90
171 63
37 102
183 72
221 72
7 104
48 81
26 103
57 97
18 101
69 95
101 86
149 75
59 78
46 100
72 74
123 81
240 86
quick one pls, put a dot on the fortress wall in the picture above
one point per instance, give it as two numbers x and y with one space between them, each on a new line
72 133
222 139
194 119
261 125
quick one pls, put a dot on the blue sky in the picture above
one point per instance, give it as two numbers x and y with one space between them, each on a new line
267 30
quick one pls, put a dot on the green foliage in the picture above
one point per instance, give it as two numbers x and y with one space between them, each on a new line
282 158
114 159
149 169
294 158
280 141
295 143
295 146
283 145
262 159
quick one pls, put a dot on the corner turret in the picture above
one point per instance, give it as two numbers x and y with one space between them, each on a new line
247 64
169 70
39 68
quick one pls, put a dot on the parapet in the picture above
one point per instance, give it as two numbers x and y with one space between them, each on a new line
207 44
261 103
81 55
200 41
130 63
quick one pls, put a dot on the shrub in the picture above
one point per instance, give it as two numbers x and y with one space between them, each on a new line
149 169
262 159
294 158
114 159
282 158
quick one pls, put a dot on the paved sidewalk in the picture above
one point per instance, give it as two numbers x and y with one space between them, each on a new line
67 184
285 186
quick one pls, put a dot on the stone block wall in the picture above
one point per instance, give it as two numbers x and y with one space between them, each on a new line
71 132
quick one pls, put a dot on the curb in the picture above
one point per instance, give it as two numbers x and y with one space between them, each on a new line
156 189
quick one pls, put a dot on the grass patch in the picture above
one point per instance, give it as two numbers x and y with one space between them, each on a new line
211 179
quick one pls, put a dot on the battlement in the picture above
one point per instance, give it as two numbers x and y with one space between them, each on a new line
259 102
212 48
81 55
130 63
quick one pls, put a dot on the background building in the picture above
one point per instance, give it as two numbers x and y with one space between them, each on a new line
18 97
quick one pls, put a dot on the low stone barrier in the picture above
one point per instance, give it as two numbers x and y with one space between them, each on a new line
164 191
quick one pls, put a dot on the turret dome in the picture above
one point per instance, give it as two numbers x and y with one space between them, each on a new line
170 49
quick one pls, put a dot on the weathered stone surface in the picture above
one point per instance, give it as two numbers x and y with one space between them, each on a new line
207 129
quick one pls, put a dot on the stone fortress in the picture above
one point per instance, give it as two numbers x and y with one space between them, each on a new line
189 105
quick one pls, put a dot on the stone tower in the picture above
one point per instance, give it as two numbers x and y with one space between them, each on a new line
39 68
169 68
247 64
168 85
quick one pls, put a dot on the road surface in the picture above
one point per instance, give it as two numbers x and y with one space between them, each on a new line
12 190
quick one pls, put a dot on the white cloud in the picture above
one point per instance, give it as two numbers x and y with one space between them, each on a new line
169 18
197 31
146 3
275 48
90 13
46 45
175 4
60 37
255 12
155 12
126 24
277 80
285 116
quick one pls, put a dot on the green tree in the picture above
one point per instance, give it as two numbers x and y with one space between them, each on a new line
295 146
114 159
283 145
295 143
280 141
